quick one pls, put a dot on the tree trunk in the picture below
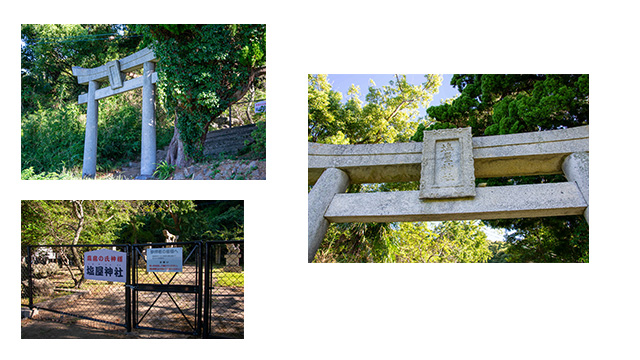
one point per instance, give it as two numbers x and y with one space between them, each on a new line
175 153
252 91
79 212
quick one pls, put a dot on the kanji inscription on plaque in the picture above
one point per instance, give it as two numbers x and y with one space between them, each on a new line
447 164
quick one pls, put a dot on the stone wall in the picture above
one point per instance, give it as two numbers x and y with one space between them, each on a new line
228 141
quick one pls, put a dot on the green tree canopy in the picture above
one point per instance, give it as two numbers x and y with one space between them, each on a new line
507 104
389 115
203 69
80 222
65 222
49 52
52 129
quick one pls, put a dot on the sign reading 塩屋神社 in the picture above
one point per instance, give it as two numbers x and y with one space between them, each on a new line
105 265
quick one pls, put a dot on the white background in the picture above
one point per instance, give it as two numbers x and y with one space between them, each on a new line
295 310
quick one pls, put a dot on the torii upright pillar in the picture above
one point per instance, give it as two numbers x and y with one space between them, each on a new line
91 133
148 143
114 73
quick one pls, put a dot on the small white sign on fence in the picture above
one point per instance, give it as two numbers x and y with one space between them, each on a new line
164 260
105 265
261 106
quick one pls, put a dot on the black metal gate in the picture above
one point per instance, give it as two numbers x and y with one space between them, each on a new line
165 298
205 296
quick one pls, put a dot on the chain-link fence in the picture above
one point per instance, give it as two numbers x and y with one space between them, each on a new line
167 282
54 283
166 287
224 302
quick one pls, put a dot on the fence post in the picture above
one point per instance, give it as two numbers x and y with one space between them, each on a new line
331 182
29 271
206 292
199 244
127 290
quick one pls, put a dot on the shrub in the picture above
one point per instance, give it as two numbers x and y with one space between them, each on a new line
257 148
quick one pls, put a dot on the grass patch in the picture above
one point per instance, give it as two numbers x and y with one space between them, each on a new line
228 279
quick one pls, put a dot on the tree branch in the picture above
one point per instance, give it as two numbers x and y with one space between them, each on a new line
255 73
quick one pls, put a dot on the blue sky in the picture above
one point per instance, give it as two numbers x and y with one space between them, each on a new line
342 82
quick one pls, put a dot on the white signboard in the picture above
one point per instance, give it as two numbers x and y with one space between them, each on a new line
164 260
261 106
105 265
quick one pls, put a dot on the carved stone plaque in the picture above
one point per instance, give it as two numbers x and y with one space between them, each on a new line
115 76
447 164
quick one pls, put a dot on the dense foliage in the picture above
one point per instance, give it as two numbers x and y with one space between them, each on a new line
447 242
204 69
507 104
49 52
388 116
52 136
80 222
51 222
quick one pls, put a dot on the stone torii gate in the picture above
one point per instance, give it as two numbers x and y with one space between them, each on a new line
114 72
446 163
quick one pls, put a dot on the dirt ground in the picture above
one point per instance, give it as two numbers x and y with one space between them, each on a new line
48 329
227 316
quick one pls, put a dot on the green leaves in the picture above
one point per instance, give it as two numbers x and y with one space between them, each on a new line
447 242
508 104
164 170
386 116
129 221
251 55
204 69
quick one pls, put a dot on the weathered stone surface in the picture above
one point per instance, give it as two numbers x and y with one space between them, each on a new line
91 134
447 164
113 72
369 163
535 153
148 137
115 76
232 259
128 85
538 153
332 181
576 169
499 202
228 141
127 64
